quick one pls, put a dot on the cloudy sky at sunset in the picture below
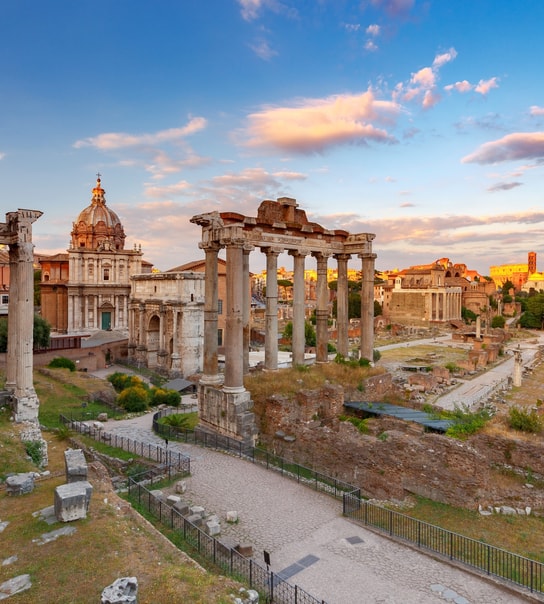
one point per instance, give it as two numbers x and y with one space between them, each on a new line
419 121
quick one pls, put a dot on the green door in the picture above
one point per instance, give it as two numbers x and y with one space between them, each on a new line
106 320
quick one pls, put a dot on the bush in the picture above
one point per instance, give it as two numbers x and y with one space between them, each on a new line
160 396
120 381
525 421
35 451
134 399
466 422
63 363
498 321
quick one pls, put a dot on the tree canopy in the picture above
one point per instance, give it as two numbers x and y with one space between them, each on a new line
41 333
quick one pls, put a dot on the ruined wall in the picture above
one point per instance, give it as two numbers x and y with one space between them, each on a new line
397 459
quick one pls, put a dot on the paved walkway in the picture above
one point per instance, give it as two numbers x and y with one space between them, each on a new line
327 555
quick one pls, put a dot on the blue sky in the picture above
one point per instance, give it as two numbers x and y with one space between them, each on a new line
419 121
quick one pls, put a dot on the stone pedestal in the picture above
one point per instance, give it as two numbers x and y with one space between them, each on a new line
20 484
228 413
75 465
72 501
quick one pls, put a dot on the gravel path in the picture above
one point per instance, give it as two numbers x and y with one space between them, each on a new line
338 560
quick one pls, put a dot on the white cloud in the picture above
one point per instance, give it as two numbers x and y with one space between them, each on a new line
536 110
262 50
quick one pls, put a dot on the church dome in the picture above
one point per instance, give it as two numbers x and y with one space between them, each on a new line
97 226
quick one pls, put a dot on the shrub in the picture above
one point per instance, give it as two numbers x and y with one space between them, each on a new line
120 381
466 422
524 420
376 355
183 421
34 451
63 363
160 396
359 423
452 367
134 399
498 321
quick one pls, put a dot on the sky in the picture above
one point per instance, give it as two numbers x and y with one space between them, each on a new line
419 121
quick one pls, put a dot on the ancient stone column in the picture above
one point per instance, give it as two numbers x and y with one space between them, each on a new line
234 362
517 367
367 306
299 342
11 356
342 316
322 309
271 336
21 315
211 372
247 249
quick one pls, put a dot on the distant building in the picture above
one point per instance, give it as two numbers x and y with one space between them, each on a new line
88 289
518 274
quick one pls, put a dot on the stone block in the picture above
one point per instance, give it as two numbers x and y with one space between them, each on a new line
72 501
195 519
181 507
213 528
197 509
232 516
244 550
171 500
181 486
121 591
20 484
75 465
102 417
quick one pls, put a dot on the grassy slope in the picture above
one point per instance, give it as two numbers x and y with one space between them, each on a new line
111 542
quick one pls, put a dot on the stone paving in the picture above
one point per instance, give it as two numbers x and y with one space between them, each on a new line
310 542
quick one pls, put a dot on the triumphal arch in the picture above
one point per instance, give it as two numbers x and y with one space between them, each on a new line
280 226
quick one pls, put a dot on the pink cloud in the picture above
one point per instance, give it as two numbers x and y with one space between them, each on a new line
315 124
118 140
484 86
512 147
464 86
536 110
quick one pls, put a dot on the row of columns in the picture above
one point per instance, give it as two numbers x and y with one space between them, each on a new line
445 305
238 310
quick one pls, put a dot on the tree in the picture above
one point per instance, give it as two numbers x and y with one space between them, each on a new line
534 316
310 337
41 333
498 321
507 286
468 315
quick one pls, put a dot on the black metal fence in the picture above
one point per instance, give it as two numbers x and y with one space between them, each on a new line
161 454
270 586
483 557
289 469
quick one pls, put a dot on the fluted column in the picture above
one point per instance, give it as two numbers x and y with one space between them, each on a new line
342 314
11 356
298 342
211 371
246 295
322 309
367 306
271 335
234 362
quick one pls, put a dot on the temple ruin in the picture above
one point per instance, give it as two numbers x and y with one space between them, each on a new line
280 226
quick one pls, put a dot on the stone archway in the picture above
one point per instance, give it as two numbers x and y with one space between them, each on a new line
153 340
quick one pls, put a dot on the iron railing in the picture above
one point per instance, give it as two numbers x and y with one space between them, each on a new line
488 559
289 469
270 586
155 452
